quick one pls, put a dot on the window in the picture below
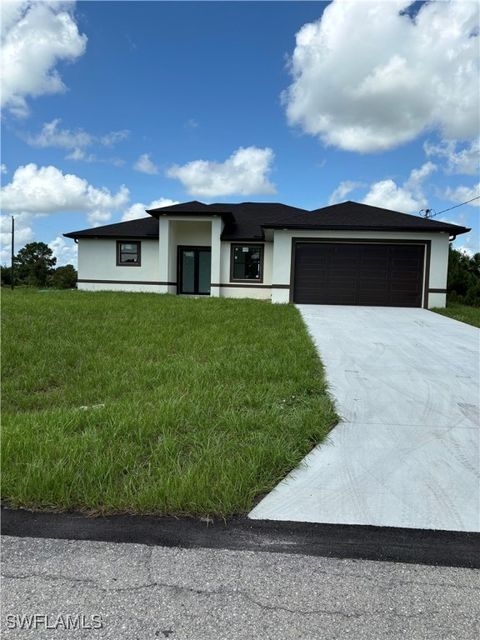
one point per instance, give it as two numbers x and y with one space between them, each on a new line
247 262
128 254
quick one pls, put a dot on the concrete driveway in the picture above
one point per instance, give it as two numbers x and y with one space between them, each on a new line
406 451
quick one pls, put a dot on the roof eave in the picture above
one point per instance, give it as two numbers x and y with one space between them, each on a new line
74 236
226 216
452 230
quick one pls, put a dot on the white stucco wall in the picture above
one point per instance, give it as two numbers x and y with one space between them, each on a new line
257 290
282 256
111 286
97 260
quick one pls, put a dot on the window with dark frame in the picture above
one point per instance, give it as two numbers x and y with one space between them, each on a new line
128 254
247 262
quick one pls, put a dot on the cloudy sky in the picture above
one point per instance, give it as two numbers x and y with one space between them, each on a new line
111 107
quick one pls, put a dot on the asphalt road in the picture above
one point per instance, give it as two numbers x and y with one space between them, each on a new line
149 592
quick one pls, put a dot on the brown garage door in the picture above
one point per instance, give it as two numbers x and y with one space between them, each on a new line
359 274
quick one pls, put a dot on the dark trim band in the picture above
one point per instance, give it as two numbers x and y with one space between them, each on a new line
437 291
242 286
174 284
124 281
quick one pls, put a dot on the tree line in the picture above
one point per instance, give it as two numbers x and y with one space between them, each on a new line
35 266
463 283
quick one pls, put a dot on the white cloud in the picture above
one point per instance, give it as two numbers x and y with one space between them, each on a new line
114 137
47 190
367 77
51 135
462 194
3 168
464 161
23 234
35 37
65 252
191 124
137 210
408 197
388 195
417 176
466 250
245 172
344 188
81 154
145 165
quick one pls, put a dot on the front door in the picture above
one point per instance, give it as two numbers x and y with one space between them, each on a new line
194 265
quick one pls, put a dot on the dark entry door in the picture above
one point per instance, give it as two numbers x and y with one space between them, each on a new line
194 268
359 274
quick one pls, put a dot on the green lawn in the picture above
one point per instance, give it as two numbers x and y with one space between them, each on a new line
119 402
462 312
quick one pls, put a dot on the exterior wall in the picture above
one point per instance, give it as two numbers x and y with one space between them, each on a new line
282 257
260 291
97 260
119 286
437 300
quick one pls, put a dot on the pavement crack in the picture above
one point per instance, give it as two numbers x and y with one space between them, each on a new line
238 593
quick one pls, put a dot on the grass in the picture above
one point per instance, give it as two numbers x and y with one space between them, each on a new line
462 312
140 403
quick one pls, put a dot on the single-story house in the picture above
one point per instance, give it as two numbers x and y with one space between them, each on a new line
347 253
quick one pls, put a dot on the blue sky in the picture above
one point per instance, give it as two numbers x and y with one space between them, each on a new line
282 101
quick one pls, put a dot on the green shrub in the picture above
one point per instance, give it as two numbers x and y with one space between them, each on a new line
64 277
463 284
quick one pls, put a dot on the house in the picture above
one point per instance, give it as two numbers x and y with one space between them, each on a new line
347 253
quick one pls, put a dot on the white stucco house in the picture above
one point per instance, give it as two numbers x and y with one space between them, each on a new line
347 253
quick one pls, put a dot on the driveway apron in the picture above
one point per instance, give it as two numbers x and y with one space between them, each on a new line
406 450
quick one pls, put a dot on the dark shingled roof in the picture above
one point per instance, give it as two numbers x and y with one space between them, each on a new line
139 228
247 220
357 216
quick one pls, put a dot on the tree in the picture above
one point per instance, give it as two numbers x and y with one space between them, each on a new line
6 273
34 264
64 277
463 283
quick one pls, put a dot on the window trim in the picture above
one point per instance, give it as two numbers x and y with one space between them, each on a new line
235 245
139 253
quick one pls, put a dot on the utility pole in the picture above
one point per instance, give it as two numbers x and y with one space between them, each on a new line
12 276
427 213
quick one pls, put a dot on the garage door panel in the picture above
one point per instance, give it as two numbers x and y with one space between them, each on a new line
359 274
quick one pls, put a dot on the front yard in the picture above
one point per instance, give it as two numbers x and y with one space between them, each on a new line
462 312
117 402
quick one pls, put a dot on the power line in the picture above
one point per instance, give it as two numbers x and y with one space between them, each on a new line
429 214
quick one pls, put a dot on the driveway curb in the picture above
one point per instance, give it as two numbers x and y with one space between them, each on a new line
442 548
